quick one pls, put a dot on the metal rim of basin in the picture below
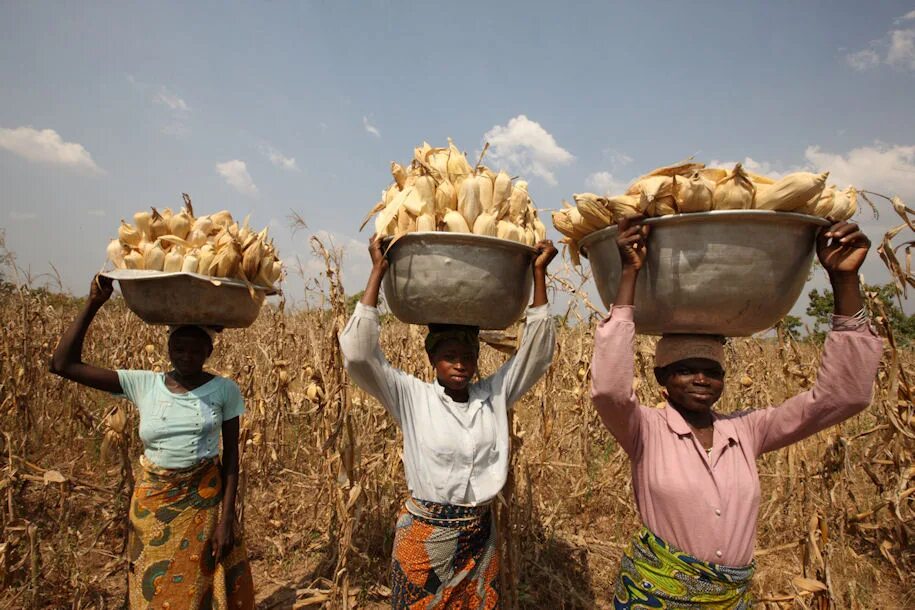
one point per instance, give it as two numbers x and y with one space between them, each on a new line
687 218
445 237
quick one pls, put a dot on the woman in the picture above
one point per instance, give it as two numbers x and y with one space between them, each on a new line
693 470
182 549
456 444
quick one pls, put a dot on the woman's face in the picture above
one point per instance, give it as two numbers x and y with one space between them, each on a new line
694 384
455 364
188 350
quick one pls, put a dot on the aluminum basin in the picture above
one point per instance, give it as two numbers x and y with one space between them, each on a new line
458 278
189 298
731 272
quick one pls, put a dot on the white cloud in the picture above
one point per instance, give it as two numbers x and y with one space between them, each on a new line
757 167
23 215
882 168
525 146
96 212
46 146
167 98
862 60
370 128
236 175
279 159
899 47
902 49
605 183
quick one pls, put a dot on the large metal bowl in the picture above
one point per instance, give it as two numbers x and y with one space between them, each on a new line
458 278
731 272
189 298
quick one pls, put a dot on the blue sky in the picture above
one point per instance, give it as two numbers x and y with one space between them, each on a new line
272 107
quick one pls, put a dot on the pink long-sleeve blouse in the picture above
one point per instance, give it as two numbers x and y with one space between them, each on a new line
707 505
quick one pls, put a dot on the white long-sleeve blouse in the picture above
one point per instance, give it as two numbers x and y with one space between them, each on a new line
454 452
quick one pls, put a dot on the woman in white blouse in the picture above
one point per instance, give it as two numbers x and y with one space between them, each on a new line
456 444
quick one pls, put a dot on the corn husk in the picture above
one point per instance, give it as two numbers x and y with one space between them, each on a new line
693 193
133 260
824 203
623 206
399 174
129 236
458 168
469 201
173 261
508 230
593 209
190 262
426 222
179 224
157 225
845 204
734 192
539 229
142 221
445 198
116 252
485 186
455 222
154 258
518 202
501 192
485 224
794 191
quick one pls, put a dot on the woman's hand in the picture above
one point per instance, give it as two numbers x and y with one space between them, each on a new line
546 251
376 251
632 242
100 290
223 539
842 248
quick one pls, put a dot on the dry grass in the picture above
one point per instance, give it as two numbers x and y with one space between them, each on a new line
322 478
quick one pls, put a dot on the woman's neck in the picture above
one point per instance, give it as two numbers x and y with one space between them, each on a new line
696 419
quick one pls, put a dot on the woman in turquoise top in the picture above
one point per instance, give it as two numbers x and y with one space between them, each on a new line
182 549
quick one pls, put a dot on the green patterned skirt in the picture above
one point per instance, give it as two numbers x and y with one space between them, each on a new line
654 574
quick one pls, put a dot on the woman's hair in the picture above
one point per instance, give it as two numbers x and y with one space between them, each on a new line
439 333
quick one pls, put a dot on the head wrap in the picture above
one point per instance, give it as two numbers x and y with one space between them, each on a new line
439 333
209 330
673 348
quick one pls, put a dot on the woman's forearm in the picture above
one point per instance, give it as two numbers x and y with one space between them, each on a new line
846 294
372 288
625 294
229 481
539 287
69 350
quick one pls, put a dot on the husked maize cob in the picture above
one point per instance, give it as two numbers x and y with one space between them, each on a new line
455 222
485 224
734 192
469 201
791 192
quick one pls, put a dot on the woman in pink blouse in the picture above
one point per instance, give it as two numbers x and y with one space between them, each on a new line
694 471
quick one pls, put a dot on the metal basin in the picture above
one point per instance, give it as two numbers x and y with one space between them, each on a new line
458 278
189 298
731 272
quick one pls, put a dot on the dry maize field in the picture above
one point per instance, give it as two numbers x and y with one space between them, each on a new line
322 477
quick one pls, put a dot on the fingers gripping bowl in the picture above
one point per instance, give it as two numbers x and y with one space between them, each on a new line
730 272
458 278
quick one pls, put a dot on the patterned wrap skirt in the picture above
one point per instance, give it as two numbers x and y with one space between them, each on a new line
654 574
173 516
445 556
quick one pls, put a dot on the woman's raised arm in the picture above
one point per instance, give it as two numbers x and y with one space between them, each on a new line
67 360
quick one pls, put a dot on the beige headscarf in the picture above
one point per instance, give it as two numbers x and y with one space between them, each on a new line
673 348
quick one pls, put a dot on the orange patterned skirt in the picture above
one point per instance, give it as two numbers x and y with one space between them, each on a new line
173 516
445 556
